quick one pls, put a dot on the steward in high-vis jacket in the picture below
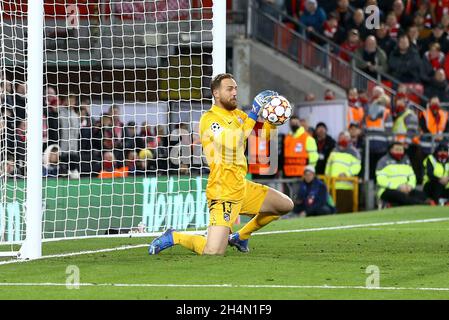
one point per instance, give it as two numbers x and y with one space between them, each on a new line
344 161
396 180
299 150
436 173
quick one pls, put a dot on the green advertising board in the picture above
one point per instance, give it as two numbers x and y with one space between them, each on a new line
87 207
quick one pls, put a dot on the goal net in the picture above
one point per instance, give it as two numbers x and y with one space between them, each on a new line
124 85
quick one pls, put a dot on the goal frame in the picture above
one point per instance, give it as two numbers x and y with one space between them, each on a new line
31 246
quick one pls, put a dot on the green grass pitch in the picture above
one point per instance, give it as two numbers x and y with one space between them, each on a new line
322 261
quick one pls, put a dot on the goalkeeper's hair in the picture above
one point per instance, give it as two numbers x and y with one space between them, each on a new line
216 81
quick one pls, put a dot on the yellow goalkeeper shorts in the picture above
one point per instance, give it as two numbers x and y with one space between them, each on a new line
225 212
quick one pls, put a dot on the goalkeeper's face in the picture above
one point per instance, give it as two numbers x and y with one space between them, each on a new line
227 94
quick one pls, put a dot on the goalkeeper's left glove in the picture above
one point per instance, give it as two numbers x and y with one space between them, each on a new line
259 102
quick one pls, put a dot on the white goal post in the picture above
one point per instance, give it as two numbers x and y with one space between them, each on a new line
100 106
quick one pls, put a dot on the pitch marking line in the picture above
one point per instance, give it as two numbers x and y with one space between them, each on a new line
152 285
379 224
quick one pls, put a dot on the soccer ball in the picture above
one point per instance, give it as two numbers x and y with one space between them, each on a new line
277 111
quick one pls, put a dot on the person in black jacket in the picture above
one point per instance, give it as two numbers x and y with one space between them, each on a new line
312 198
439 36
438 86
405 63
325 145
384 41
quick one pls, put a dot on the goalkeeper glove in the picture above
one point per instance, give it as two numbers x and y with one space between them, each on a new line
259 102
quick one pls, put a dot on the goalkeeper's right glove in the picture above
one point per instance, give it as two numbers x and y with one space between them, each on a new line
259 102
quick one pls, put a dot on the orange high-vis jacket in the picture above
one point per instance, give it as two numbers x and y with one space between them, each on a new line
295 155
259 155
116 173
432 125
355 115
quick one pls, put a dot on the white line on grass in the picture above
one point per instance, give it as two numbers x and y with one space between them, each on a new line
378 224
168 285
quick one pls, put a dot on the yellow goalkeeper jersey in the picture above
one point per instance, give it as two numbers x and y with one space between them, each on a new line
223 137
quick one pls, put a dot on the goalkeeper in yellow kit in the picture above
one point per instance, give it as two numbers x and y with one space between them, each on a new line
224 130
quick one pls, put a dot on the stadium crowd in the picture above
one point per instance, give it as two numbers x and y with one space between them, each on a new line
75 144
406 147
409 52
411 44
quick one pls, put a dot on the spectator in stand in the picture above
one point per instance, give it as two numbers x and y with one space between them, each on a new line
371 58
364 99
294 8
131 161
419 23
379 92
358 22
404 19
7 102
438 86
331 28
329 95
87 152
434 121
313 198
424 11
118 132
325 145
436 174
438 8
355 110
313 18
111 168
344 14
69 132
396 180
405 63
52 168
350 46
434 56
180 148
445 23
344 162
132 141
378 127
51 122
384 41
394 27
438 35
357 138
20 141
413 36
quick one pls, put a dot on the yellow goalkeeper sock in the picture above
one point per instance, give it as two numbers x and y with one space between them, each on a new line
259 221
190 241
